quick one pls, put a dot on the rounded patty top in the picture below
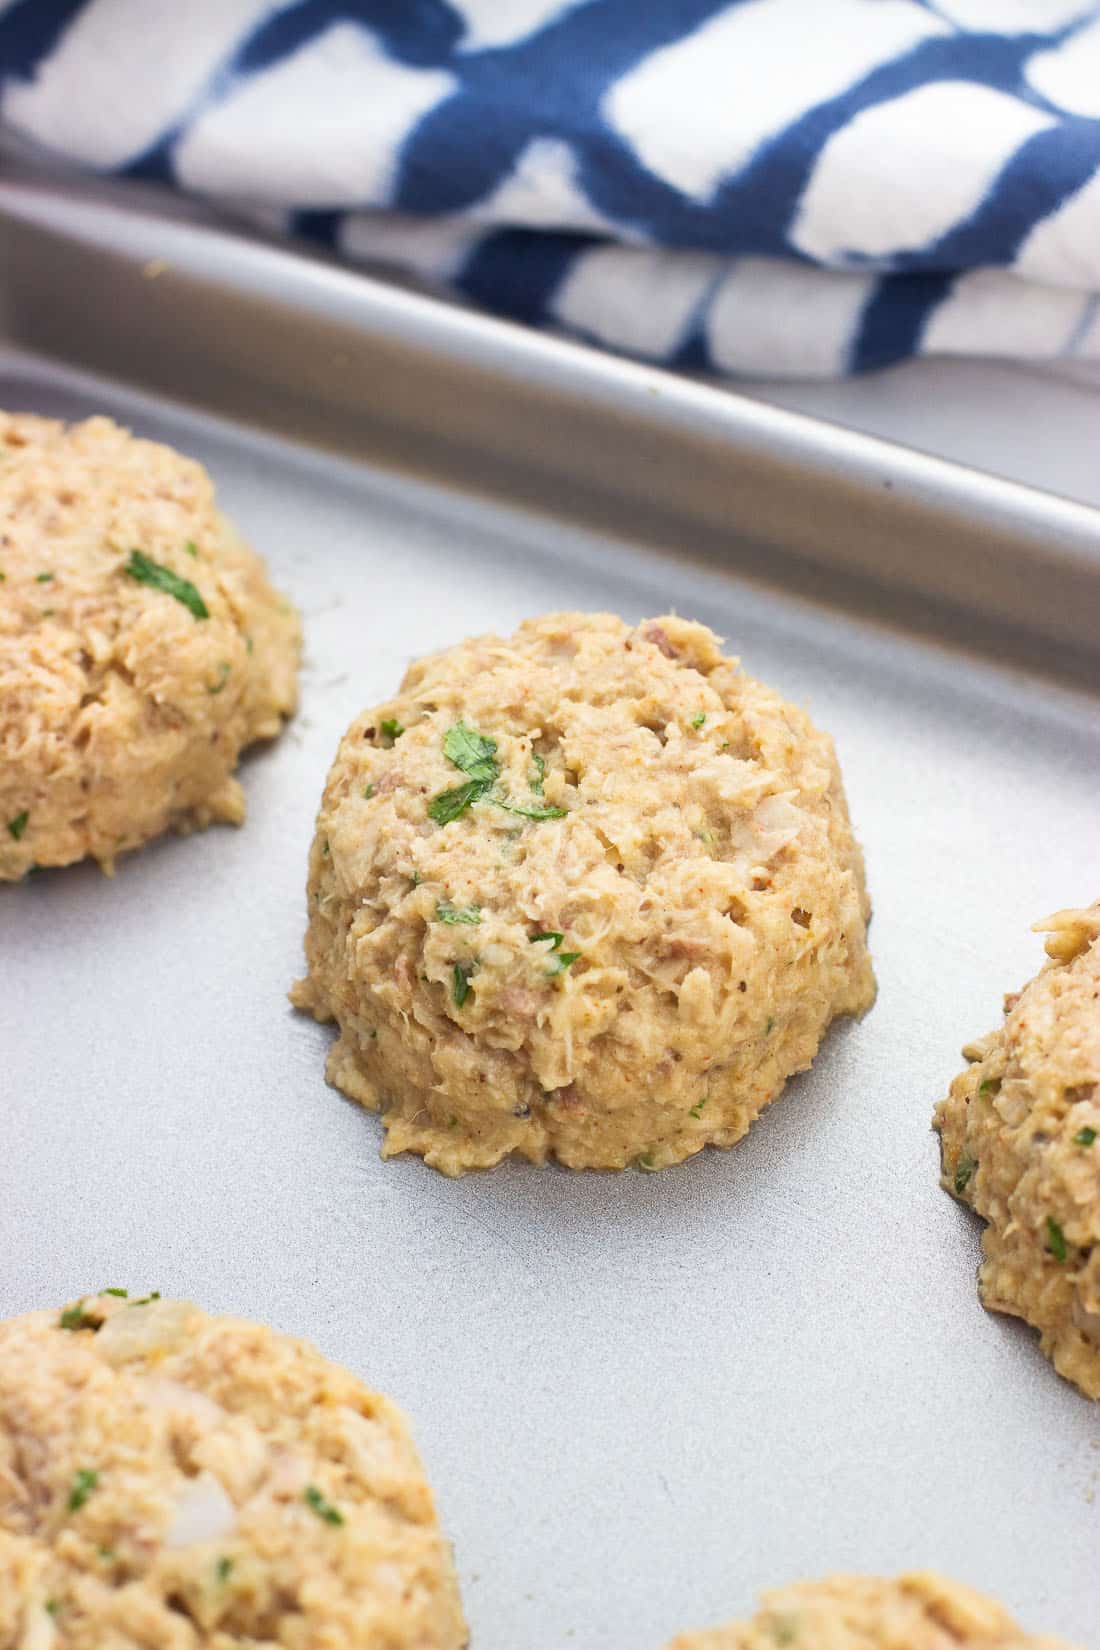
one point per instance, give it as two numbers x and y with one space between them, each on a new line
588 891
141 645
173 1479
1020 1131
913 1612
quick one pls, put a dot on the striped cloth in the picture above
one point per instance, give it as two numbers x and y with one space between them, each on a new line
784 187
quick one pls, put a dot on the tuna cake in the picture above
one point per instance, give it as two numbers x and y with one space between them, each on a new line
1020 1135
588 892
141 645
915 1612
188 1482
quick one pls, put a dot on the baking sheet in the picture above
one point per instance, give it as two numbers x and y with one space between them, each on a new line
641 1398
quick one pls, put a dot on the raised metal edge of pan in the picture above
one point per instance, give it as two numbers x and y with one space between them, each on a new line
264 335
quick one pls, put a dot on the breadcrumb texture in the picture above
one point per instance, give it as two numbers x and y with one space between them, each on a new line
122 714
1020 1136
632 980
175 1480
915 1612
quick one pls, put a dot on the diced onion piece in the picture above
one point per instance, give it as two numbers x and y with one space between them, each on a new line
141 1330
203 1513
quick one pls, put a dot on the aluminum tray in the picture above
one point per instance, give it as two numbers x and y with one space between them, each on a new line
641 1398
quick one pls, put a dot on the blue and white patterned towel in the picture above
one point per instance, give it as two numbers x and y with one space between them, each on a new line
791 187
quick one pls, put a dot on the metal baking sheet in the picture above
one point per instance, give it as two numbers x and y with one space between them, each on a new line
641 1398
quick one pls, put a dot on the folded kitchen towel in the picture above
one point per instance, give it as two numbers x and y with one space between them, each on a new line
785 187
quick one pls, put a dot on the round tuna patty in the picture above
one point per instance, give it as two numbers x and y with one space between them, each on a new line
196 1483
588 892
917 1612
1020 1135
141 645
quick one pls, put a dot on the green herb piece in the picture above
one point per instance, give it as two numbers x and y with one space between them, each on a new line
144 570
190 547
43 578
561 961
452 1121
122 1294
646 1163
474 753
547 934
416 879
539 765
3 578
985 1086
84 1482
697 1109
249 645
75 1317
326 848
322 1507
1084 1137
223 677
392 729
53 1605
460 983
449 805
785 1632
224 1569
107 1554
771 1023
147 1300
454 914
1056 1240
543 810
697 721
368 792
18 825
964 1172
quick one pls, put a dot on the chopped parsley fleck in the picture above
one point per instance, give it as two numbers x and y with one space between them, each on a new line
539 765
368 792
191 548
1056 1240
53 1605
771 1023
122 1294
547 934
985 1085
452 1121
224 1569
646 1163
392 729
223 677
544 810
3 577
964 1172
107 1554
147 1300
460 983
451 804
75 1317
785 1632
18 825
697 721
454 914
560 962
416 879
1084 1137
43 578
473 753
144 570
84 1482
321 1506
326 848
697 1109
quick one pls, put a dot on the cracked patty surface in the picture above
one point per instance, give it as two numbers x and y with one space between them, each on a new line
589 891
173 1479
914 1612
1020 1137
124 706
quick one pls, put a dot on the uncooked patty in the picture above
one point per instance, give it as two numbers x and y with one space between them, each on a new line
1020 1133
175 1480
588 891
915 1612
141 645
